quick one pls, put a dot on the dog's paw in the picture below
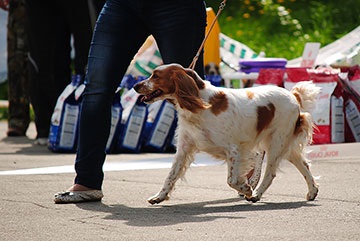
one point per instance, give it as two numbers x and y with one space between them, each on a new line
253 199
311 195
158 198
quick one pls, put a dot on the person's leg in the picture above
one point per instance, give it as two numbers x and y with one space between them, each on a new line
179 28
62 70
17 46
41 30
117 36
77 18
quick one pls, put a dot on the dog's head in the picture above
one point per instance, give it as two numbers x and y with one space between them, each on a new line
173 82
211 69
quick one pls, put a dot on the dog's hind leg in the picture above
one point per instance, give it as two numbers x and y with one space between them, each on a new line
183 158
302 165
275 152
254 175
236 172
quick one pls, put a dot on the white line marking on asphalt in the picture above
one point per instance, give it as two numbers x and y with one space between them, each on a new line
145 164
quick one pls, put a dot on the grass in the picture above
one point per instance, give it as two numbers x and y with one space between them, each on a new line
281 28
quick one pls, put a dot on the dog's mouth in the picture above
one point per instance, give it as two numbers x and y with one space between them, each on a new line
151 96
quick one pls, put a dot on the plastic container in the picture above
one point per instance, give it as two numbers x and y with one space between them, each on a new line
254 65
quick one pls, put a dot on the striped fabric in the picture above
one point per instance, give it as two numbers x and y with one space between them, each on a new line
231 51
146 62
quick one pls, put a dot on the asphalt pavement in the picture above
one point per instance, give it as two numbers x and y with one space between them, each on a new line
202 207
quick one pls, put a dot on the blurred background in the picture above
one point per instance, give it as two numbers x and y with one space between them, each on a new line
280 28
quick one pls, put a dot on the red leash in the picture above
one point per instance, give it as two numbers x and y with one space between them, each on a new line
221 7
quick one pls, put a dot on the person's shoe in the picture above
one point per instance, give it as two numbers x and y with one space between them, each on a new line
78 196
41 141
15 132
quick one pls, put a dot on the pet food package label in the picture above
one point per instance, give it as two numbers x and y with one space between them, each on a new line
321 113
337 119
352 108
132 134
69 126
162 129
115 128
353 75
69 89
62 138
153 110
55 118
353 118
64 121
355 84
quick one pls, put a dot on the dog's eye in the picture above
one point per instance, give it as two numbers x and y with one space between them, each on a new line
155 76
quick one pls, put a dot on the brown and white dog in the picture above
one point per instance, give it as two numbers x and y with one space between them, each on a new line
233 124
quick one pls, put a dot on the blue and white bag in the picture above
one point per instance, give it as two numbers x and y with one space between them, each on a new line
115 130
160 129
64 120
133 131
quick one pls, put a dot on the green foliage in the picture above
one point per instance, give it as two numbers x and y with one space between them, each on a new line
4 113
3 91
281 28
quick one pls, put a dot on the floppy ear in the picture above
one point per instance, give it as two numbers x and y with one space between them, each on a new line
199 82
187 92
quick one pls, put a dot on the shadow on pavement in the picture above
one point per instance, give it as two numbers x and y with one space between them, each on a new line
162 215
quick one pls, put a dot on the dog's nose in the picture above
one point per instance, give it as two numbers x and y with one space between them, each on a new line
137 87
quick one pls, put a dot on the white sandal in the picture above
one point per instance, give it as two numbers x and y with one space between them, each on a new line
78 196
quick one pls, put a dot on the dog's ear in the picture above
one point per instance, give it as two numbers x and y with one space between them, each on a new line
187 92
199 82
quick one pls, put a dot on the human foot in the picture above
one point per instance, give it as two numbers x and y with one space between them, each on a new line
78 193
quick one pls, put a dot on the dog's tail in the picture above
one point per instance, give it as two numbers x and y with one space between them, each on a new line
305 93
303 130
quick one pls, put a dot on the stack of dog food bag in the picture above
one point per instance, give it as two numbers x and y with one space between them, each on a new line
147 128
64 120
135 126
328 114
337 110
350 80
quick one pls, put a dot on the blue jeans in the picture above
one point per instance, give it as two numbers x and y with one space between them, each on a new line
122 27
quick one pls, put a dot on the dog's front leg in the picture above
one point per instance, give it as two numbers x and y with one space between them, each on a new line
183 158
236 172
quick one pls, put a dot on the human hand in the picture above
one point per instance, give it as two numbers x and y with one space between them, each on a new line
4 4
